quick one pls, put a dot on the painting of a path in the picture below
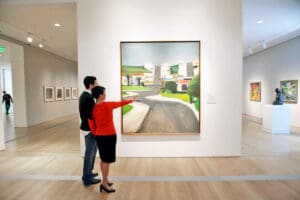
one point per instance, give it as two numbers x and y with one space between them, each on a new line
166 78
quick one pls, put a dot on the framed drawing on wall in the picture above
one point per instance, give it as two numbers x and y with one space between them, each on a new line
48 93
74 93
255 91
59 93
68 93
166 77
290 90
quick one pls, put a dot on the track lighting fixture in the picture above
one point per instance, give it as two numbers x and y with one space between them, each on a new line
29 38
42 43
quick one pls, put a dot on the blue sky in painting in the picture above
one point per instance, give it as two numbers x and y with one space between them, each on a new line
136 54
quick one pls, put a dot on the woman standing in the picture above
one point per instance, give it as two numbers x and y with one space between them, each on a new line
102 126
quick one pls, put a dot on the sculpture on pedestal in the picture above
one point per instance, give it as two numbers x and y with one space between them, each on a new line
279 97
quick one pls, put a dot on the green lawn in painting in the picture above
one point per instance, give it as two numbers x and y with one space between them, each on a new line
126 109
182 96
134 69
135 88
124 94
197 103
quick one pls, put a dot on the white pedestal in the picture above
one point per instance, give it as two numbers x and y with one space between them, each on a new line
277 119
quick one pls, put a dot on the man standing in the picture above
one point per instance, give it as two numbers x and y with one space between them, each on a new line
7 99
86 104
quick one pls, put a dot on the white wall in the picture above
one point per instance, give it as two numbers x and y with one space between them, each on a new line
32 68
45 69
102 24
270 67
19 92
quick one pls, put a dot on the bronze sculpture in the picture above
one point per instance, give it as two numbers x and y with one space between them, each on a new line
279 97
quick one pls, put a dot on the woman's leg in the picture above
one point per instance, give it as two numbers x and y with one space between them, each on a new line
105 170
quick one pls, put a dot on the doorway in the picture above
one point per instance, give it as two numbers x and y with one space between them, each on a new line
6 85
12 80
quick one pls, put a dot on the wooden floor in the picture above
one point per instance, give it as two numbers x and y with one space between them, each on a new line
43 162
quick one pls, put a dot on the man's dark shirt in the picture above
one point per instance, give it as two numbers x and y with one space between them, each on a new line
6 98
86 105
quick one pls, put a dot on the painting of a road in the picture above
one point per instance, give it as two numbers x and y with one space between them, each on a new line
166 78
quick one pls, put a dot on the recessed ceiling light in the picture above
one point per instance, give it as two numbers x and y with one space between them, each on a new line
259 21
29 39
57 25
41 45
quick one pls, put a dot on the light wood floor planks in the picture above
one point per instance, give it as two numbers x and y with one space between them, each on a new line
52 150
252 190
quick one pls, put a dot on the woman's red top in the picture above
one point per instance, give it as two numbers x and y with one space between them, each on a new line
102 117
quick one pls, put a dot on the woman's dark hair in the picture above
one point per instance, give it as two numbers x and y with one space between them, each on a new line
89 80
97 91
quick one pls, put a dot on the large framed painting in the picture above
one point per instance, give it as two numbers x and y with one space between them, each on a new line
59 93
290 90
255 91
48 93
67 93
166 77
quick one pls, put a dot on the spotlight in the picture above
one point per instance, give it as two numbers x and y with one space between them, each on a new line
42 43
29 38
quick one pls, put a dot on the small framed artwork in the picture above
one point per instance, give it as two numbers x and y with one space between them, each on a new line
255 91
74 93
59 93
290 90
48 93
68 93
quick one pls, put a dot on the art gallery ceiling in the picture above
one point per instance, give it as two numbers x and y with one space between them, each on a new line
269 22
265 23
38 20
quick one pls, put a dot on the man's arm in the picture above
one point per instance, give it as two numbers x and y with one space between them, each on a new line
89 106
92 125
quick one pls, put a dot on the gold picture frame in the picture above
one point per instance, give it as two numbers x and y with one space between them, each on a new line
166 76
